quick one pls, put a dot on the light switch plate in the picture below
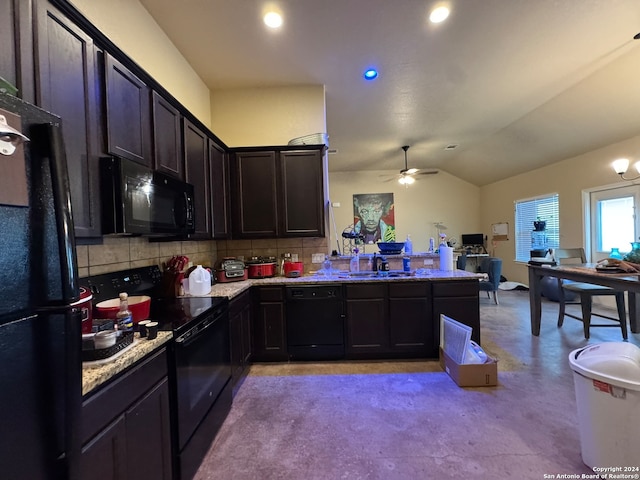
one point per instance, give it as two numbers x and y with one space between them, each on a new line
428 261
317 258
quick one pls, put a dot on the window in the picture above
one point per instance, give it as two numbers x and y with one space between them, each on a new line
613 219
528 211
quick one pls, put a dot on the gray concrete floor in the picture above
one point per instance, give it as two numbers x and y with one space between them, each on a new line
408 420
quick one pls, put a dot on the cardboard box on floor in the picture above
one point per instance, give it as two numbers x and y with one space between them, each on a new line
454 338
470 375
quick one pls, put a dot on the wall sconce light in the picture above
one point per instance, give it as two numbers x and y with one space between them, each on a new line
10 138
621 166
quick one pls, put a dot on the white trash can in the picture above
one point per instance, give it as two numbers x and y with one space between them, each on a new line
606 377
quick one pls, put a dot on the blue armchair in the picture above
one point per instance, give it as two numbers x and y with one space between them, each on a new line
493 268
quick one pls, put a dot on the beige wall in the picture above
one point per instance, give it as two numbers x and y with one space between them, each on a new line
567 178
267 116
434 198
130 27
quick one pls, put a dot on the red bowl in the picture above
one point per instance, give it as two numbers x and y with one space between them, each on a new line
139 306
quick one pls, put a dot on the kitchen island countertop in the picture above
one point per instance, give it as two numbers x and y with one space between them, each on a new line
233 289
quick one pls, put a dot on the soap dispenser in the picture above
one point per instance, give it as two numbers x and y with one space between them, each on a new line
408 245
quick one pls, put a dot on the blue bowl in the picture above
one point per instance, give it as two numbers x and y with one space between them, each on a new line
391 248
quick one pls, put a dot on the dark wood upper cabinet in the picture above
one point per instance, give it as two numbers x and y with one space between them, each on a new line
196 161
128 113
255 199
67 79
302 196
16 53
277 193
167 143
219 168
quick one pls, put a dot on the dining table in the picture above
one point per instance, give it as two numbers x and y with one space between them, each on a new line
586 272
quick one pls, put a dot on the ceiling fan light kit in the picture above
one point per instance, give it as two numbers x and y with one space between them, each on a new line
406 175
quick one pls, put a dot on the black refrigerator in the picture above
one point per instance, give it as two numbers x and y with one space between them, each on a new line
40 329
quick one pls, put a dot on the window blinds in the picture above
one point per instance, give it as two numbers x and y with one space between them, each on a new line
528 211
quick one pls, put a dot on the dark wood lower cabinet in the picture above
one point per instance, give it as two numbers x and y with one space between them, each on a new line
125 429
410 332
457 300
383 319
240 331
367 320
269 327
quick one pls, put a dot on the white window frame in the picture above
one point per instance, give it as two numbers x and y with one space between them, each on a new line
525 211
591 215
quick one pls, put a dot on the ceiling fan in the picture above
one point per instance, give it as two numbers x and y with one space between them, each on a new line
406 175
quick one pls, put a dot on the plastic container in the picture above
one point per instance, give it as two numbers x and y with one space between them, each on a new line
408 246
354 263
199 282
607 385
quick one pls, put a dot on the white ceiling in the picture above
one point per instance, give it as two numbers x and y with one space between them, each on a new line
516 84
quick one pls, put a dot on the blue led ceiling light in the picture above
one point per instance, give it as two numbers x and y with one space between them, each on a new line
370 74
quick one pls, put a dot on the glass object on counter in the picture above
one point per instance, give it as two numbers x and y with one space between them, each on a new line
124 317
615 253
634 255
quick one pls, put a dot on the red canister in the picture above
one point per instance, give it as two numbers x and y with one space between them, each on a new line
85 306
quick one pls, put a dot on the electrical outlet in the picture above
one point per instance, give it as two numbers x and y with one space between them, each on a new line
428 261
317 258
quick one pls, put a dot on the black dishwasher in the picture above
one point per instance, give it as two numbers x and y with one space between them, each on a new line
315 322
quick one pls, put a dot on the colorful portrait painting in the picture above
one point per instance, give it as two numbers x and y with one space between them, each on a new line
373 217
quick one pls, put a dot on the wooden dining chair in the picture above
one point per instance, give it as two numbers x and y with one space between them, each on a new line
586 292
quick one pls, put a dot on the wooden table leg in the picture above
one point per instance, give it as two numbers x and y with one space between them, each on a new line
535 292
634 314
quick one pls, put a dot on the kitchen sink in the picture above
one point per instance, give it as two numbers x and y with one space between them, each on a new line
370 274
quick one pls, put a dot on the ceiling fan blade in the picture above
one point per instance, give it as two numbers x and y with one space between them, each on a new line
429 172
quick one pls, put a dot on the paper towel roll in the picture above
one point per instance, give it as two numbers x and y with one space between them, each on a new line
446 258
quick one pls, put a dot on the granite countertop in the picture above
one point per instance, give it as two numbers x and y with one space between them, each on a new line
233 289
96 373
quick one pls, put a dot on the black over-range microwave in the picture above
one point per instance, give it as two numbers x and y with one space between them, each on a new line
139 201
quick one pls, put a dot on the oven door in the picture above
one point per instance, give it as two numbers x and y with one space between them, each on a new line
203 368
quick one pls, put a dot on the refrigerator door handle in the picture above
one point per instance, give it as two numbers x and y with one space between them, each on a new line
62 202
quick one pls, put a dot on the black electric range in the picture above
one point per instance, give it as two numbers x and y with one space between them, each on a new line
172 314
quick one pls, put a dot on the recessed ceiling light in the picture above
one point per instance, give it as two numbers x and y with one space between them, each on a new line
370 74
439 14
273 20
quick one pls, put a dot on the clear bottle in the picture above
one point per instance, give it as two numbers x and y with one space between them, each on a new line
408 245
326 266
354 264
124 317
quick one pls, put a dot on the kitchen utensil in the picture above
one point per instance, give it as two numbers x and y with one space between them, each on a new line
293 269
139 306
84 304
105 339
391 248
261 267
231 270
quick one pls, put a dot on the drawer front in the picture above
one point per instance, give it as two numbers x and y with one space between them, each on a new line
409 290
455 288
371 290
270 294
101 408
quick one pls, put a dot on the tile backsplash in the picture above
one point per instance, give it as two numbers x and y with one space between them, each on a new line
303 247
122 253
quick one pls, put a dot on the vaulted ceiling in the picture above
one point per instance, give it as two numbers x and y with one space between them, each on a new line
514 84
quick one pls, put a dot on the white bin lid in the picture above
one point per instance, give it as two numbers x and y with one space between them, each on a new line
616 363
